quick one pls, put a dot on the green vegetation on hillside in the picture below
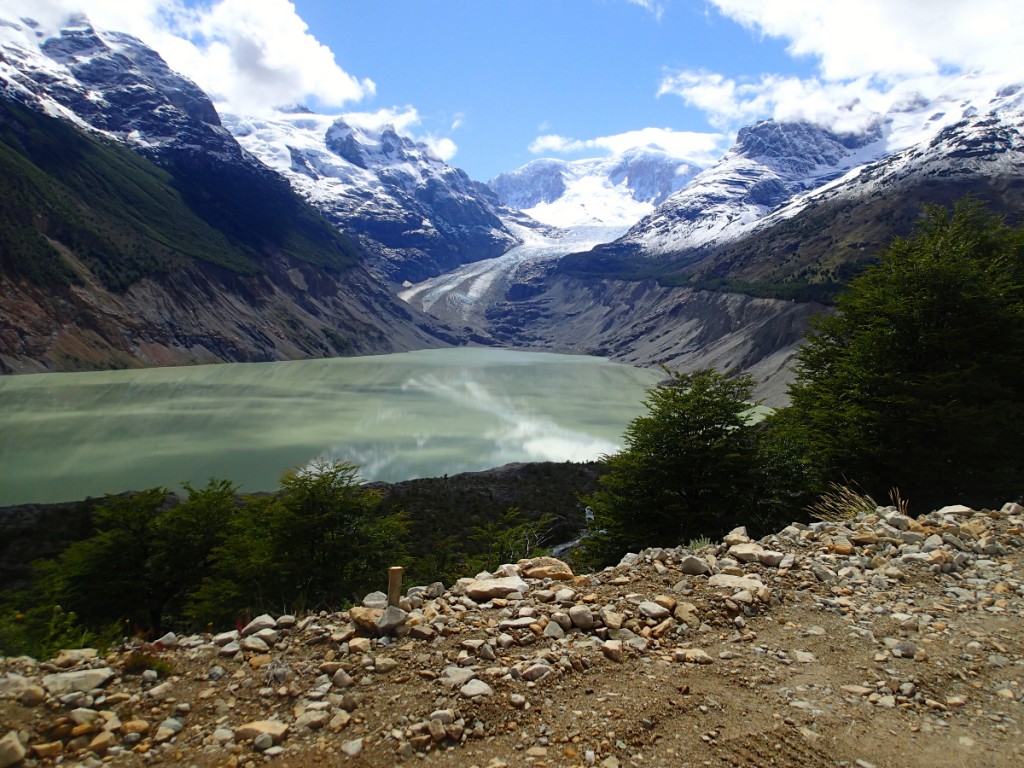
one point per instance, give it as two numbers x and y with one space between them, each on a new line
125 218
151 561
917 380
810 257
915 383
687 468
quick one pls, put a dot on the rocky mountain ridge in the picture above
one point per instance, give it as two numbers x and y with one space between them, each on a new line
774 167
414 215
884 640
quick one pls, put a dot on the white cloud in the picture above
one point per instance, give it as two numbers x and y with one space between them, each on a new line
250 55
871 55
403 120
443 147
699 148
892 39
656 7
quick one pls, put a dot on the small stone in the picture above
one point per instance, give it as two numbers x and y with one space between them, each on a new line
170 640
264 621
392 618
263 742
691 565
487 589
251 730
83 680
339 721
804 657
546 568
612 649
653 610
746 552
554 631
475 688
693 656
359 645
49 750
12 751
352 748
366 618
376 600
255 644
32 696
312 720
582 617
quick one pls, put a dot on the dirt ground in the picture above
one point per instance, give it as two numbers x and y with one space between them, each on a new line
772 693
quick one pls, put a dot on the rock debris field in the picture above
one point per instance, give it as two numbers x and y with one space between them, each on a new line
887 640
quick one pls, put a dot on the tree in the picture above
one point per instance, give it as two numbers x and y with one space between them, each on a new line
917 380
148 554
321 540
688 468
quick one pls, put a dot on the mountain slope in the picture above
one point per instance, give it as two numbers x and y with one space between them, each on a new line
413 215
183 250
804 237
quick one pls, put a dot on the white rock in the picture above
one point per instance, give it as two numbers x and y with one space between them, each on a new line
264 621
83 680
475 688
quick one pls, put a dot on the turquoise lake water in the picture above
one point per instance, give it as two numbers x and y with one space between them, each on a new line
66 436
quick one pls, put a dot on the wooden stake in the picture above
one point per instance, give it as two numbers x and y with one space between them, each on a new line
394 585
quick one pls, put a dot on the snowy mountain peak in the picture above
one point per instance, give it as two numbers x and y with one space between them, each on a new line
609 191
774 167
796 149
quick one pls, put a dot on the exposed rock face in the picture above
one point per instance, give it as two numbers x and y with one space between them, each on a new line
203 314
188 311
645 324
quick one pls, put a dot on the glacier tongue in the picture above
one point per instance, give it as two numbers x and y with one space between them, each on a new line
462 297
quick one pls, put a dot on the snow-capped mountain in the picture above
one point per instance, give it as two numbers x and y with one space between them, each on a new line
773 164
141 233
609 191
415 214
111 83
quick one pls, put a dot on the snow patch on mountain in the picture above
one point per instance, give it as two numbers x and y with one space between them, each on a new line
415 215
773 166
613 191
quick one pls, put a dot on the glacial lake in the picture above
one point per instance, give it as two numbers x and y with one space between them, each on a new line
67 436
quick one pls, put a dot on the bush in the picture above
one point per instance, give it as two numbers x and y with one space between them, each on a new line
689 469
321 541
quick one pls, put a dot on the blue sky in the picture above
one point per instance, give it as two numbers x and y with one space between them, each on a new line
506 73
492 84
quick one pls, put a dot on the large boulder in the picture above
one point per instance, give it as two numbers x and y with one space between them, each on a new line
486 589
83 680
546 568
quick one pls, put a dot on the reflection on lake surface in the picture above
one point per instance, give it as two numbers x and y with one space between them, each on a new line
65 436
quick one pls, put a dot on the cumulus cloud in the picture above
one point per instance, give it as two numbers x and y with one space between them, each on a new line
699 148
892 39
871 56
250 55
